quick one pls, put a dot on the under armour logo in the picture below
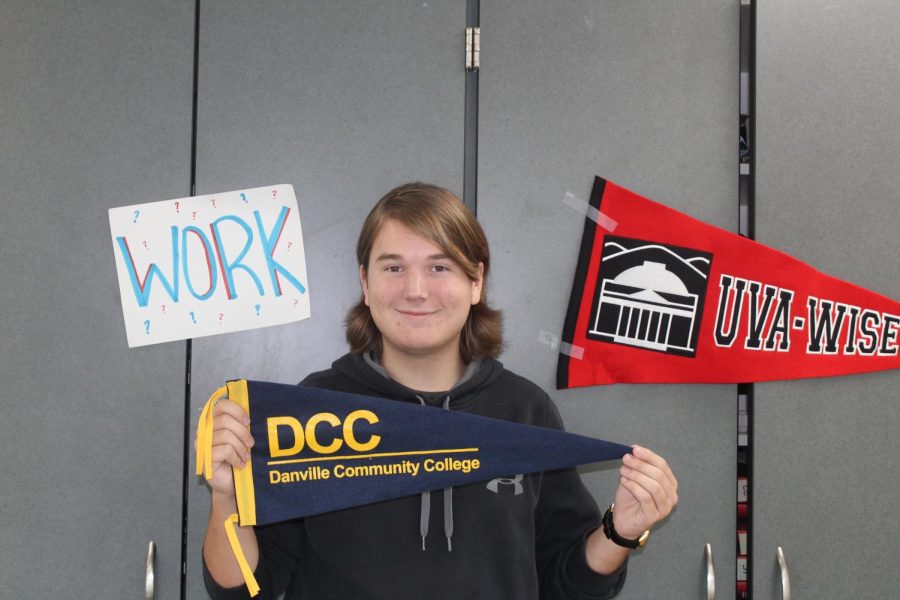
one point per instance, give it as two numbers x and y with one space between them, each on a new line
506 482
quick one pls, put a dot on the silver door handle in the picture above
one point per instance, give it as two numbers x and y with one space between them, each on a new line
150 581
710 574
785 576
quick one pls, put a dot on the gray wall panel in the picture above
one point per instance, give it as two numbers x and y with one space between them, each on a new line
344 101
644 94
95 110
825 450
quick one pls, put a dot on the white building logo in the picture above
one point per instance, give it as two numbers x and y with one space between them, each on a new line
649 295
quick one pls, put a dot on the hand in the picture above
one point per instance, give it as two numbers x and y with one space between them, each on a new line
647 493
231 443
230 447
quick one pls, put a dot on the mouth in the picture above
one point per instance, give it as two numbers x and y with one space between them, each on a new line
416 314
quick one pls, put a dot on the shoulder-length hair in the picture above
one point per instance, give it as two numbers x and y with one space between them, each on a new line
440 217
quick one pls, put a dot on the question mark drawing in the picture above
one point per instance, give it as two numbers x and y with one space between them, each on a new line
295 303
244 197
164 308
257 310
192 317
177 206
136 213
213 200
289 246
220 318
274 193
147 326
146 247
194 216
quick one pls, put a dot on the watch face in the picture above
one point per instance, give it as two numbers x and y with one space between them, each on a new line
643 539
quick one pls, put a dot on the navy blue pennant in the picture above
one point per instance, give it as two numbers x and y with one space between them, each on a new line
319 450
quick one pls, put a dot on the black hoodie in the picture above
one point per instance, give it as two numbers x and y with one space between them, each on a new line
517 538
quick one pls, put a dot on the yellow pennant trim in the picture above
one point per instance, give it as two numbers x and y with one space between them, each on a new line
243 476
246 571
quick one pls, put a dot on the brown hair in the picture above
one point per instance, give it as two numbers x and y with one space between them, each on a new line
440 217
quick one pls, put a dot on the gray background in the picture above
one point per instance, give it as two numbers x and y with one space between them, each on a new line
95 112
633 93
344 100
825 451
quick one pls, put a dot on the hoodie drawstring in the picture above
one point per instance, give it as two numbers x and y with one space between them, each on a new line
425 503
448 500
424 516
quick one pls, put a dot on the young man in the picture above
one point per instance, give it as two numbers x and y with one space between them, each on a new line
423 332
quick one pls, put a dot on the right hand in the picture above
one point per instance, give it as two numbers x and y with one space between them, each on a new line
231 443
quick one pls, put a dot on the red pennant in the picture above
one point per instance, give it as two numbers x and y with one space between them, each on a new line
660 297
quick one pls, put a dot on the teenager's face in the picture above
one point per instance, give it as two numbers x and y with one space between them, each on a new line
418 297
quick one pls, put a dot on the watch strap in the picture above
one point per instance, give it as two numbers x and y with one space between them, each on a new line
610 531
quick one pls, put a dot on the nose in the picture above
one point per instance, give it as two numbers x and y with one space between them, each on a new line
416 287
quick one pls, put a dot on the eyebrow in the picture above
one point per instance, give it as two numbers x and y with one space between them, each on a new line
386 256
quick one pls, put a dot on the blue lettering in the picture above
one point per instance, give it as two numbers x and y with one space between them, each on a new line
269 242
142 288
229 267
208 250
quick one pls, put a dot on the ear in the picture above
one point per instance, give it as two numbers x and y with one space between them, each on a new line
364 284
478 284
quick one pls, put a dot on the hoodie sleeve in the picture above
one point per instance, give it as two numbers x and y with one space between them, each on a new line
564 516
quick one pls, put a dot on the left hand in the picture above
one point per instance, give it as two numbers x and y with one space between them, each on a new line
647 493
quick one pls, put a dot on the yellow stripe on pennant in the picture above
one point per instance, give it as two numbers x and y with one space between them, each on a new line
243 476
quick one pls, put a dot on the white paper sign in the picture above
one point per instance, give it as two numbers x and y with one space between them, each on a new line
212 264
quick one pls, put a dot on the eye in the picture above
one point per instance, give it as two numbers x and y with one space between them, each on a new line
393 268
440 268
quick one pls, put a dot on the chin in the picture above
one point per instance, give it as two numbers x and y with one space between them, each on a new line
424 347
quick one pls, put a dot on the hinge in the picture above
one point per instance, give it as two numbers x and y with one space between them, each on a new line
473 48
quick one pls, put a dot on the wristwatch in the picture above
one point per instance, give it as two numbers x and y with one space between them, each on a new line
610 531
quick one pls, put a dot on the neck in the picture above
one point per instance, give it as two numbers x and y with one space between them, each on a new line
426 372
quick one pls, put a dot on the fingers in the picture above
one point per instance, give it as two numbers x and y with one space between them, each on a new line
655 466
648 477
653 503
231 439
229 447
227 407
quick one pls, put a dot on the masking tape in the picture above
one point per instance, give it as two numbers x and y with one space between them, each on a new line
601 219
548 339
